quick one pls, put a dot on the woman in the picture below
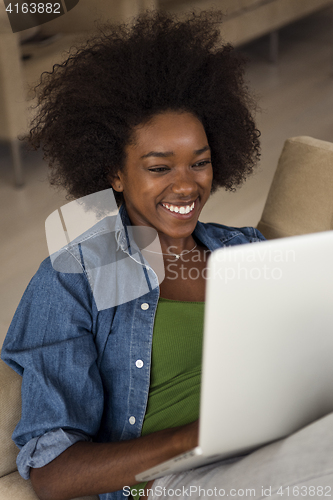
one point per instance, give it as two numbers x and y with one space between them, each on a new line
160 112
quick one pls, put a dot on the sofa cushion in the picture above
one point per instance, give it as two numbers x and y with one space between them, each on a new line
10 412
300 199
13 487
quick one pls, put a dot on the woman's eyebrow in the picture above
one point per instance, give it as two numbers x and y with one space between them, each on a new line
160 154
202 150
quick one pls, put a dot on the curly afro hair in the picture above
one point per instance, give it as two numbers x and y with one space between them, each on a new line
125 74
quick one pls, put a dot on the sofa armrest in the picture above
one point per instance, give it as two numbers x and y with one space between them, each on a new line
300 200
10 413
13 487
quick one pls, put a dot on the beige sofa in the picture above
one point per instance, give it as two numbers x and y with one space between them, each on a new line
300 201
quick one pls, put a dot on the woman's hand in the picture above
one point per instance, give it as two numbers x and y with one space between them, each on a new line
87 468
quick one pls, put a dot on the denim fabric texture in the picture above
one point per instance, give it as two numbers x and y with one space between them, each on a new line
78 362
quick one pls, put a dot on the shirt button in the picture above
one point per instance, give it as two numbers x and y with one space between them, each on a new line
132 420
144 306
139 363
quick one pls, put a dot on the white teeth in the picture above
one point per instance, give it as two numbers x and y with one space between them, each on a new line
181 210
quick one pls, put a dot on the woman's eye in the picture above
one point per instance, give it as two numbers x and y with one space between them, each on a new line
158 169
202 163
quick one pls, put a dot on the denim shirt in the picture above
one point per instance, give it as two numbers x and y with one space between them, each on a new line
86 369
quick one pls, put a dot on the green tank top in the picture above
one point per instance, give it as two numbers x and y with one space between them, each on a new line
174 391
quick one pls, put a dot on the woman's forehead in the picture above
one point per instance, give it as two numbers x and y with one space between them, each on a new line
168 131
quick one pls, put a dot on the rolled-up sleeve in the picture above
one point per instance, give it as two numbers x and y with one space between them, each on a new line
41 450
50 343
258 234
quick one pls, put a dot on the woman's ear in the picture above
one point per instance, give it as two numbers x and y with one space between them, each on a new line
116 183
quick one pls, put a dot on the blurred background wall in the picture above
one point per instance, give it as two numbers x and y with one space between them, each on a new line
289 47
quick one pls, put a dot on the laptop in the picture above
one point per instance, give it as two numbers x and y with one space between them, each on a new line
267 367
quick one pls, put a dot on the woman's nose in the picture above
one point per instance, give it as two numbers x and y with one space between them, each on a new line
184 183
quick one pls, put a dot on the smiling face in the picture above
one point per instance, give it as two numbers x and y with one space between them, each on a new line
168 174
